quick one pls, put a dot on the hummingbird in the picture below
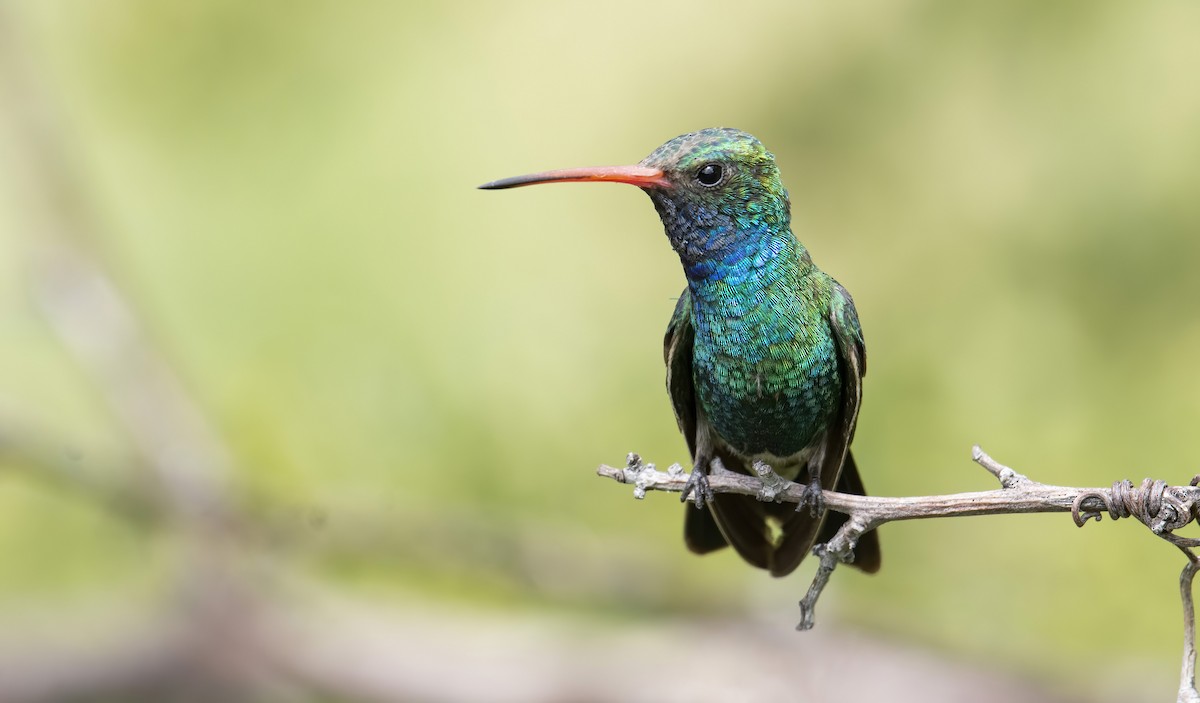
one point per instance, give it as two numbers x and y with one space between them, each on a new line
764 351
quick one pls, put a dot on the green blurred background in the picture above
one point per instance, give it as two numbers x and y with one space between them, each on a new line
418 379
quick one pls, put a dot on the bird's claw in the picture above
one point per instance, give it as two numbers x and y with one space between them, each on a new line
697 487
814 498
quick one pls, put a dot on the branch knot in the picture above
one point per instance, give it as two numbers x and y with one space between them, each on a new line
1159 506
773 485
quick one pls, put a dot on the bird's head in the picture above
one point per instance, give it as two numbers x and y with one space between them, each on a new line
717 191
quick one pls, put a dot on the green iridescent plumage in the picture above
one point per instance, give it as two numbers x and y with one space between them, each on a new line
764 352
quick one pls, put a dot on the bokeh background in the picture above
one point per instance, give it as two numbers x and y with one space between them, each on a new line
413 380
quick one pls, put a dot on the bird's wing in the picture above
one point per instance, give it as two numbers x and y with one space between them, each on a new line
677 353
852 358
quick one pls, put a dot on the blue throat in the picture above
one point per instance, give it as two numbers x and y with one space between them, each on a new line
714 245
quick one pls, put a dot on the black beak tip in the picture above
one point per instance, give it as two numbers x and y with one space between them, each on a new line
498 185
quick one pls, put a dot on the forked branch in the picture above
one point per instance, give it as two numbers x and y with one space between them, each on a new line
1161 507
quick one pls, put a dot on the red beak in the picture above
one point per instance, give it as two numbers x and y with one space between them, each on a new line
640 176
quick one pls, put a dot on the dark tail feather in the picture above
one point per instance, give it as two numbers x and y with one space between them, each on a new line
700 531
752 527
867 555
799 529
744 523
730 519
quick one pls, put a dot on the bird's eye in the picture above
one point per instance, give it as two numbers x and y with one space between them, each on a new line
709 175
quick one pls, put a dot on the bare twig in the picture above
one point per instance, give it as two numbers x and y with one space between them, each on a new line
1019 494
1187 678
1161 507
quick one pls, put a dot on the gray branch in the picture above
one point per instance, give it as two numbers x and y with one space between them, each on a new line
1161 507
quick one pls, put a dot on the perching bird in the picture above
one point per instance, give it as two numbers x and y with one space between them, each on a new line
764 352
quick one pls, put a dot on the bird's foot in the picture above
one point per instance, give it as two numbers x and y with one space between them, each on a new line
814 498
773 485
697 487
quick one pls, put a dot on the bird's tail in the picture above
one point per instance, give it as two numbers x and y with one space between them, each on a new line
775 536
